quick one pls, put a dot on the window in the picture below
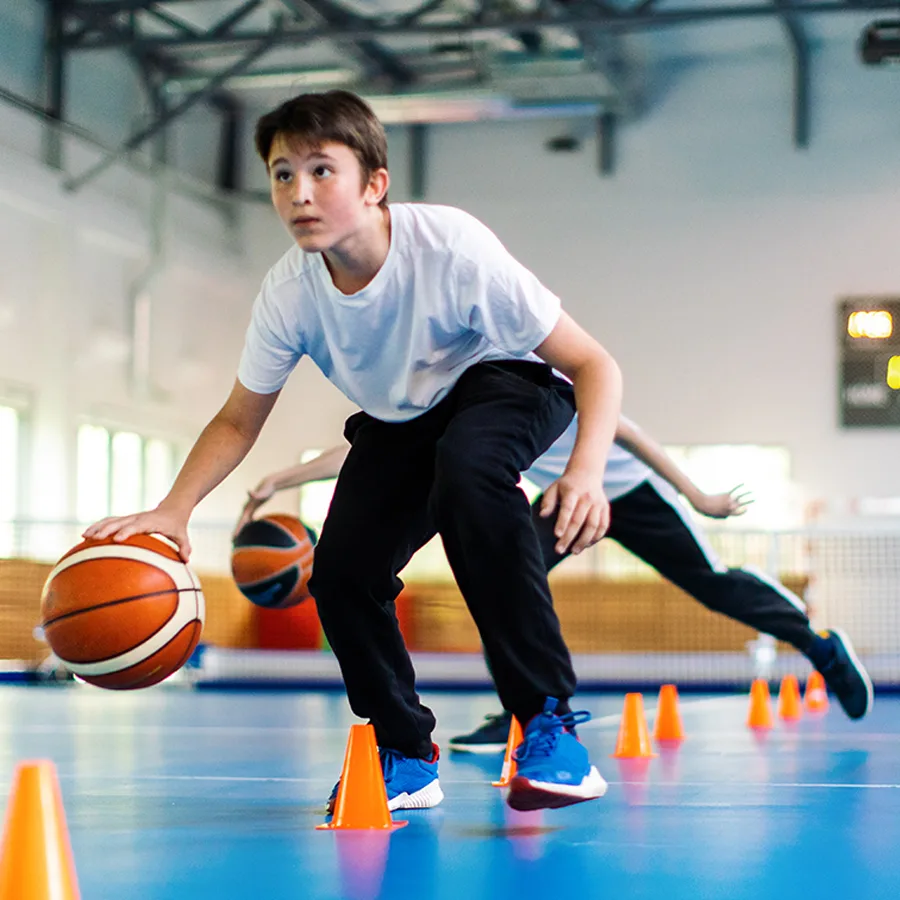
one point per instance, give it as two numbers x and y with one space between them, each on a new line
93 473
159 466
315 497
127 477
120 472
9 476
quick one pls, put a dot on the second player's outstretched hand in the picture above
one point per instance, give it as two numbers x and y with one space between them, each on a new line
721 506
154 521
583 516
255 499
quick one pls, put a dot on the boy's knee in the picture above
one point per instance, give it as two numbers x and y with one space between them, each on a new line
343 571
330 569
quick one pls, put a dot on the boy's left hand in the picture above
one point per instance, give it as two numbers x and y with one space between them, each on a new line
583 511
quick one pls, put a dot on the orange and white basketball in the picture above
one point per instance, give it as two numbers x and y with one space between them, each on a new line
122 614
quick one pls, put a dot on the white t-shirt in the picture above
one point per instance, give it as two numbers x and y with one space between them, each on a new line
624 471
448 295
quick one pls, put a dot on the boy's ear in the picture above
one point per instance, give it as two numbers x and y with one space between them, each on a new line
379 182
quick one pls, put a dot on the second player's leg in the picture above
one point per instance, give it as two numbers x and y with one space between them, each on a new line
653 527
650 523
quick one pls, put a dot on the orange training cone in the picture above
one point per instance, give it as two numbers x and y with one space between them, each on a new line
509 760
790 708
760 716
36 857
816 697
668 725
361 799
633 741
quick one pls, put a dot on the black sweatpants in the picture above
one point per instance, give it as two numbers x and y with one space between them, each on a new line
649 524
452 471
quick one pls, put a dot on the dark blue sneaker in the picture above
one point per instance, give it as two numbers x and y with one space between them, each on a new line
411 783
846 676
553 768
488 738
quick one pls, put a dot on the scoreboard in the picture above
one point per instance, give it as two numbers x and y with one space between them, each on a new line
869 336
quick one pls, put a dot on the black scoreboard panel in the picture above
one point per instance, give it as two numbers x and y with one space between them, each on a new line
869 383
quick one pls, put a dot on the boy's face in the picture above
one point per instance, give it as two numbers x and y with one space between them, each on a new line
318 191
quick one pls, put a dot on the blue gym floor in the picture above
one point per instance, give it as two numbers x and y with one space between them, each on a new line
172 794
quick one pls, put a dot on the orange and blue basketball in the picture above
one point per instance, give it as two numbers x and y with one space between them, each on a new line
271 561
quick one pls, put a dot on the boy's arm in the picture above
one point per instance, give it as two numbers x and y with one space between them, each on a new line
325 465
650 452
224 442
583 508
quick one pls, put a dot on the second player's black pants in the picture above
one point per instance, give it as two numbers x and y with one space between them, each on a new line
650 523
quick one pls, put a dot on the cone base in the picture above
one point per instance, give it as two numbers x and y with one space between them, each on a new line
329 826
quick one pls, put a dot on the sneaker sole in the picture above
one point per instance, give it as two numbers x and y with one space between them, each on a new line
525 794
424 798
476 748
860 668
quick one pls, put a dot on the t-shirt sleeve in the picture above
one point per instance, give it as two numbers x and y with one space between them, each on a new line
506 302
271 348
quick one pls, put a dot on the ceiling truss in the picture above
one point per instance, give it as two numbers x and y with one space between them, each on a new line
185 61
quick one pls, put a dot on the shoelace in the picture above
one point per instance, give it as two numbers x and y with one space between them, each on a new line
543 740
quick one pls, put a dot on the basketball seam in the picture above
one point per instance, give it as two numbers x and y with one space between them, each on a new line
108 603
190 652
267 547
139 684
139 643
286 529
269 576
175 569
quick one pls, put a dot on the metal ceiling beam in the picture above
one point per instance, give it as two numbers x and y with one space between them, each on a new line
55 66
371 52
97 17
228 22
172 21
110 7
800 57
102 17
144 134
418 161
601 49
606 143
635 19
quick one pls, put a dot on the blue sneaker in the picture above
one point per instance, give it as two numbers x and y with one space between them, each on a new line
411 783
553 768
846 676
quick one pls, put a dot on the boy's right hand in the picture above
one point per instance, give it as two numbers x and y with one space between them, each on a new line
155 521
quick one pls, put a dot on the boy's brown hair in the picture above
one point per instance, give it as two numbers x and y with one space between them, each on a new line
338 116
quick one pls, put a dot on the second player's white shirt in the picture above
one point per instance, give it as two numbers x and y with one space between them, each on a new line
448 295
624 471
